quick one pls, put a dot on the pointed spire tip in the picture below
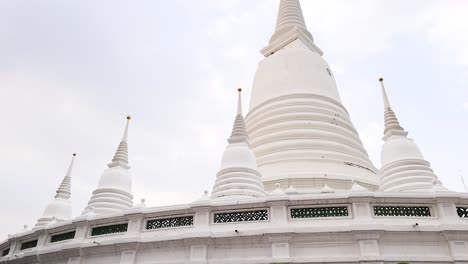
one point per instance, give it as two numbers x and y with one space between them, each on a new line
70 167
239 102
392 126
239 133
121 155
125 134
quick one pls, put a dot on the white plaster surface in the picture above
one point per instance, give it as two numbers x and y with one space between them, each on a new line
303 142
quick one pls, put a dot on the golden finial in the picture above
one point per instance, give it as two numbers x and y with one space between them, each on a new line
129 117
380 79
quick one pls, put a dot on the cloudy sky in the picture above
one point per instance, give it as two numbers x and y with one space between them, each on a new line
70 71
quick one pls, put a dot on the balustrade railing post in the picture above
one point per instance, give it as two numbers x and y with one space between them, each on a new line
42 239
81 232
202 220
135 224
279 214
361 211
447 212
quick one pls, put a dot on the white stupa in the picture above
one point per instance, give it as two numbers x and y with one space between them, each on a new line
114 191
295 186
404 168
60 208
299 130
238 177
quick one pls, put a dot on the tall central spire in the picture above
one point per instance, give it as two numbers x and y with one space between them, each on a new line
290 25
298 128
290 15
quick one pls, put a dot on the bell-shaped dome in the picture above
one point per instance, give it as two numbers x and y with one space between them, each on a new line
116 178
299 131
238 177
238 155
295 69
399 147
59 208
113 193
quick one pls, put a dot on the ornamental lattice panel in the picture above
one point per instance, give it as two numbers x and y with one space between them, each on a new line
170 222
413 211
109 229
62 237
29 244
462 212
246 216
315 212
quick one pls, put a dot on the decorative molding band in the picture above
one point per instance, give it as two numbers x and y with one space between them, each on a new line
288 38
238 169
284 100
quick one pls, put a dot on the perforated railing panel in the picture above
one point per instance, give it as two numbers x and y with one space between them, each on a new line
462 212
169 222
62 237
29 244
315 212
109 229
244 216
413 211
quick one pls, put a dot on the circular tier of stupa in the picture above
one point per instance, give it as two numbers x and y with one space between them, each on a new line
295 185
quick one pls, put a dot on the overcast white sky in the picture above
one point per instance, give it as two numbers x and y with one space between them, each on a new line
70 71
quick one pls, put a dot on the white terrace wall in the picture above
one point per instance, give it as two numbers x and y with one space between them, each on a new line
325 228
